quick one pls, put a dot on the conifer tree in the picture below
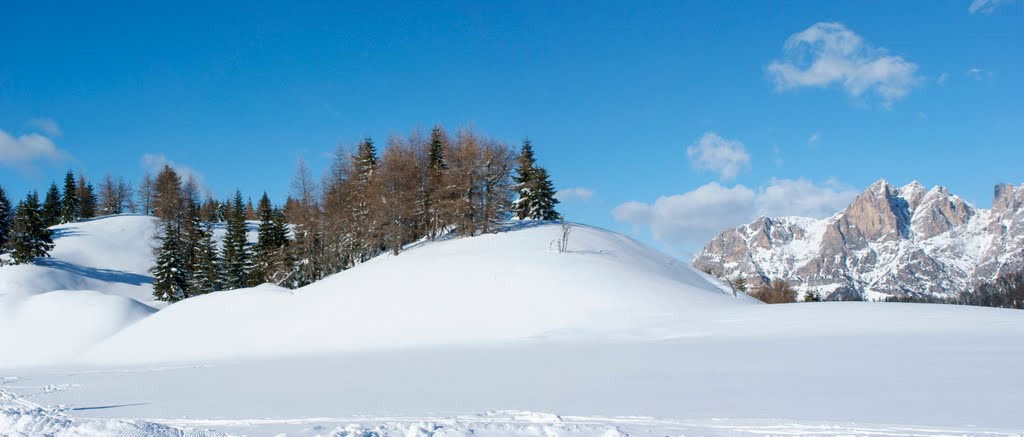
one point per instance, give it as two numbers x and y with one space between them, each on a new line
270 243
169 276
536 192
364 221
203 277
51 206
542 201
235 258
434 192
30 237
6 215
191 227
69 205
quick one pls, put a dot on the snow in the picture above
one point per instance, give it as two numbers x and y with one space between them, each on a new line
497 335
493 288
58 325
111 254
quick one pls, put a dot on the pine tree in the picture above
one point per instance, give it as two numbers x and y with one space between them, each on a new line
268 242
235 260
203 277
536 192
169 276
30 237
812 296
542 200
69 206
190 234
6 216
434 190
524 180
52 206
271 255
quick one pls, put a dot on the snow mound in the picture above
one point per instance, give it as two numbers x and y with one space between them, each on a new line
505 287
58 325
110 254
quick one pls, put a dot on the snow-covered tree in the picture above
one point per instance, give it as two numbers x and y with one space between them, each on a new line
203 276
69 206
271 247
536 199
29 236
170 278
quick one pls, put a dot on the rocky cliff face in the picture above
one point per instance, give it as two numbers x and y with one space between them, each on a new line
889 241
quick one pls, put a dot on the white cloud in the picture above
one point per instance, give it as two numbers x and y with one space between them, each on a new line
984 6
725 157
574 193
695 217
27 148
153 163
47 126
829 53
801 197
692 217
977 73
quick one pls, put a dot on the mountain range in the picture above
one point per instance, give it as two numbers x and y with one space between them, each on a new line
890 241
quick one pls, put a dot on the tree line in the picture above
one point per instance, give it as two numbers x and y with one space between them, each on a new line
1005 291
366 203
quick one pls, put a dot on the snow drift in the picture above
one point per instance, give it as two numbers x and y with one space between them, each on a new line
92 287
510 286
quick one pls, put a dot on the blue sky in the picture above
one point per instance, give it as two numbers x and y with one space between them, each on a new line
724 110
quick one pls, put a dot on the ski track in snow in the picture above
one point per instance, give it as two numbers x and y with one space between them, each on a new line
19 416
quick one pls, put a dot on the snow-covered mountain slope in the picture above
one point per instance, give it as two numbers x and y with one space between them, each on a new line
509 286
889 241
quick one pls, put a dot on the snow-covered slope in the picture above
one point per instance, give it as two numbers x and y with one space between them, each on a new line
889 241
111 254
509 286
468 336
93 286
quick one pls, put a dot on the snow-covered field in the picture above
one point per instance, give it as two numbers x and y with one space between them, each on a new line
496 335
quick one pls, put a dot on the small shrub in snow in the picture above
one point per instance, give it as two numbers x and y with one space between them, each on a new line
777 291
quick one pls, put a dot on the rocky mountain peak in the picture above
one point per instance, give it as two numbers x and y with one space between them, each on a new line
1007 198
913 193
905 240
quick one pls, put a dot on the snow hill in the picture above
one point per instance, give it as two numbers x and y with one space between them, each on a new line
497 335
889 241
510 286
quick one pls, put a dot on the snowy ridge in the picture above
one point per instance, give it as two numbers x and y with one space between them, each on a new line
889 241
